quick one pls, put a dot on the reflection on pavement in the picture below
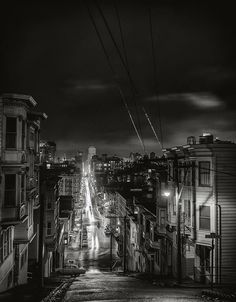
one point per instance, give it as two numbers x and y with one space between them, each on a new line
95 256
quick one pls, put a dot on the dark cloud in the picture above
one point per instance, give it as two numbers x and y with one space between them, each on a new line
52 52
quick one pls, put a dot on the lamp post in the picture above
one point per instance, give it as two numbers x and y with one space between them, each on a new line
124 241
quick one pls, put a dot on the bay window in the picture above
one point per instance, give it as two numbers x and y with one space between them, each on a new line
11 132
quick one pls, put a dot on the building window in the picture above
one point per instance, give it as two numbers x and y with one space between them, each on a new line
22 188
205 218
10 278
32 139
23 135
6 245
23 258
10 190
204 254
187 212
158 257
11 132
204 173
49 228
174 207
30 213
162 217
1 247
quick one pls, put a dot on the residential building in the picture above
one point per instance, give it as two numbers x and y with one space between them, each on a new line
202 209
19 187
52 249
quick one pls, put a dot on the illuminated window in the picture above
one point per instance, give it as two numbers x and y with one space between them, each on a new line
204 173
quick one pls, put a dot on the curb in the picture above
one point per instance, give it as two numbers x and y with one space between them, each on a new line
218 294
59 292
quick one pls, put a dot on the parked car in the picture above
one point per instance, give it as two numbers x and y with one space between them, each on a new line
71 269
70 261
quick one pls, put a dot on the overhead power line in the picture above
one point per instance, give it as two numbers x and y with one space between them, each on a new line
116 47
155 72
150 123
115 75
127 66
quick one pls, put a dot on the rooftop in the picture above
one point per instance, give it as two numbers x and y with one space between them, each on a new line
20 97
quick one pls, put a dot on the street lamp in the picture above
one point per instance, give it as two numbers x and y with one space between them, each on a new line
166 194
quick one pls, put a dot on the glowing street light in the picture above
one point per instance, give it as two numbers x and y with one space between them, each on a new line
166 194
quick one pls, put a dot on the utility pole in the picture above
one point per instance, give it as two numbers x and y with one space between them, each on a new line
81 230
124 240
124 252
178 209
41 235
111 250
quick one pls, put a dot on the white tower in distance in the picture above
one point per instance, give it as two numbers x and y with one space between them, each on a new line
91 153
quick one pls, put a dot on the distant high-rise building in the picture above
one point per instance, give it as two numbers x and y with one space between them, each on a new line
47 151
79 160
91 152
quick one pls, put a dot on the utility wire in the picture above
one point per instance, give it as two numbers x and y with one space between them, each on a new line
127 63
116 46
121 33
114 74
150 123
133 87
155 72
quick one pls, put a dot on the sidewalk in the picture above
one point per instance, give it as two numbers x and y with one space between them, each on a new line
31 291
24 293
166 281
227 292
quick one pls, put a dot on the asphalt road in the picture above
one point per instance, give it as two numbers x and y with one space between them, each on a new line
96 255
98 284
105 286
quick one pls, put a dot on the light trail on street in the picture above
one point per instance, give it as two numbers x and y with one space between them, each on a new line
95 254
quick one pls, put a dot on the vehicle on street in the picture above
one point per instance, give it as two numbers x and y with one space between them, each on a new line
84 243
71 269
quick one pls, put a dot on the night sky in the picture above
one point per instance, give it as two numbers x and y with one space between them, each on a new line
52 52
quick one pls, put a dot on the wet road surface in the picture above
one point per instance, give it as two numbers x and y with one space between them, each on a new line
96 251
104 286
98 284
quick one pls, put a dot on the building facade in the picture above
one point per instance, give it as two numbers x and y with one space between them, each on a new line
201 208
19 188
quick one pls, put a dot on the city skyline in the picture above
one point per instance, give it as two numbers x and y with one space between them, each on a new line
54 54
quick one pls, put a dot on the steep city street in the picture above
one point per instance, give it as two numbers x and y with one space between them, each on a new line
92 251
91 247
117 151
105 286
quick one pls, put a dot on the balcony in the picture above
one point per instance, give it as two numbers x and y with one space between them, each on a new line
14 156
23 233
51 242
14 215
161 229
154 243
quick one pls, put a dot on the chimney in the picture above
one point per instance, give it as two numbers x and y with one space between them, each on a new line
206 138
191 140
